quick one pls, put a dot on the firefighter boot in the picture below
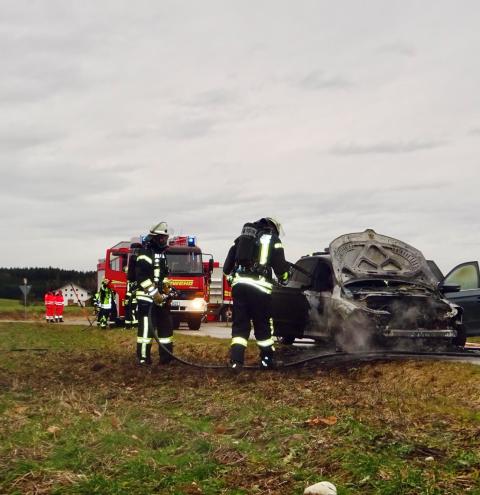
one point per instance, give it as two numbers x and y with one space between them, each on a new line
165 352
237 354
267 361
143 354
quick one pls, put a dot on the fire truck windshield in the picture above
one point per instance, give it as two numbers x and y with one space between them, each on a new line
185 263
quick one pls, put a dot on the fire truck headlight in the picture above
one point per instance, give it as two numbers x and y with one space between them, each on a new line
198 304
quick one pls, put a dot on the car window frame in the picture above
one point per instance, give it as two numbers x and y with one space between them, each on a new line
466 263
300 263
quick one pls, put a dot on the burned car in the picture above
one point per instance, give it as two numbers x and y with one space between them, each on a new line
366 291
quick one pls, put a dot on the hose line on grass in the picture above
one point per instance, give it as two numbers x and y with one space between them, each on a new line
382 354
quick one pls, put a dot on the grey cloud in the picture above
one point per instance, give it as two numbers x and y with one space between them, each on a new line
15 139
31 87
318 80
175 128
67 182
474 132
398 48
213 98
188 128
385 147
39 62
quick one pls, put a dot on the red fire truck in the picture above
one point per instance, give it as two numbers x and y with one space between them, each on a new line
189 275
220 304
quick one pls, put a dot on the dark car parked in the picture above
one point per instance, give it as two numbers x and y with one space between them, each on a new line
467 277
367 290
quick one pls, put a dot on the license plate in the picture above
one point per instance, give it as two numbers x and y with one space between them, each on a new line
175 303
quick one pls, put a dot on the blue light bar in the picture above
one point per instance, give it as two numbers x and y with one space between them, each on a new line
191 240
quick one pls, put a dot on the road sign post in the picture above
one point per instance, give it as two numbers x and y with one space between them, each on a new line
25 290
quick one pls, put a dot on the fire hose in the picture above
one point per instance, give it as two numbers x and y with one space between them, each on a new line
332 356
324 356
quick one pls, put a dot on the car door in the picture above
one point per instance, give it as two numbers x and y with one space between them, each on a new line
289 304
467 276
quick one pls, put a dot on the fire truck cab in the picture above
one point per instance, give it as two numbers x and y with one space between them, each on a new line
114 269
189 274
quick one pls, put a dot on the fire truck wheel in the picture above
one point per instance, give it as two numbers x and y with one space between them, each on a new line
176 322
194 322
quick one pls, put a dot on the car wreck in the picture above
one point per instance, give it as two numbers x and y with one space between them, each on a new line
367 291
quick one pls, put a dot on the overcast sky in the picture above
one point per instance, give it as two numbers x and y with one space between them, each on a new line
331 116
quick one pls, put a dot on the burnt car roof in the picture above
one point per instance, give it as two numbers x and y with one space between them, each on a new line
366 255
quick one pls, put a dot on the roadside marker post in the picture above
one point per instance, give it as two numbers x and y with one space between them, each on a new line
25 290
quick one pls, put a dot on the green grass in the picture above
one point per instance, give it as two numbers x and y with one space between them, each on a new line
83 419
14 309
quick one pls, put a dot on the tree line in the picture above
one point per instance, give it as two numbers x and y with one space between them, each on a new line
42 280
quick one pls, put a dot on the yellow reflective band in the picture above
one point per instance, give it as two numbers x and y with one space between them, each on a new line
271 326
146 283
285 276
265 343
146 258
278 245
265 242
239 341
165 340
260 284
144 340
144 297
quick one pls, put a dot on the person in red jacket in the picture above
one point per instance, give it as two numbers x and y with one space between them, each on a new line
59 307
50 307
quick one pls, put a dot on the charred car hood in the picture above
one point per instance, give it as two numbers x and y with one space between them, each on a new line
368 255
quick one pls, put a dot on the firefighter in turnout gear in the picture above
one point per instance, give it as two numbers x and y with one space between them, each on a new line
131 295
249 265
151 272
104 298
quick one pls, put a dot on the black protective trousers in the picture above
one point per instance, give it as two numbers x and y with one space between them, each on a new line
102 317
130 310
151 316
250 305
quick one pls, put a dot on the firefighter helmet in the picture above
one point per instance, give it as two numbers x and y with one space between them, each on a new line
276 224
160 228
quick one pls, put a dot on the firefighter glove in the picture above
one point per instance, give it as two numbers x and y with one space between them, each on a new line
158 298
285 278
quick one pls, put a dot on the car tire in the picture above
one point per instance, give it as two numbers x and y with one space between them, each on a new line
194 322
461 338
176 322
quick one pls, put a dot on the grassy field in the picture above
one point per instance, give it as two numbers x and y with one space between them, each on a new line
13 309
83 419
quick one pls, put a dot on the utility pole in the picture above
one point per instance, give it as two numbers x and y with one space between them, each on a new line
25 290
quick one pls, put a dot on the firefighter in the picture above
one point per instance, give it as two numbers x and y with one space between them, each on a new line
104 299
131 295
59 306
151 272
249 266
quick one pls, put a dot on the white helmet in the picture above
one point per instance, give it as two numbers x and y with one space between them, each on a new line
160 228
277 225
